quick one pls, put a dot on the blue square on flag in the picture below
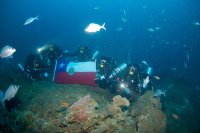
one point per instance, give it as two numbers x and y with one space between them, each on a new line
69 72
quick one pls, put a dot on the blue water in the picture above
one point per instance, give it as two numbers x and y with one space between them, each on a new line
63 22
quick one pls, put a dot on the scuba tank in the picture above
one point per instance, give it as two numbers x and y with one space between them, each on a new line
21 67
117 70
149 71
95 55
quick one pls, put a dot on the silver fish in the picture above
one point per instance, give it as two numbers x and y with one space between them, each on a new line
30 20
145 82
9 93
7 51
92 27
196 23
159 92
144 62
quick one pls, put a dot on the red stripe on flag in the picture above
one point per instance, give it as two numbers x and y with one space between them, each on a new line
86 78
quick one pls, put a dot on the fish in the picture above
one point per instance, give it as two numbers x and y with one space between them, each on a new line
124 12
145 82
150 29
119 29
187 56
195 23
159 92
157 28
144 62
7 51
157 77
124 16
9 93
96 8
30 20
185 65
92 27
173 68
123 19
175 116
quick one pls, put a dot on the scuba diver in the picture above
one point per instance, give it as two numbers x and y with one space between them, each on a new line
82 54
105 66
126 83
132 76
49 53
38 66
34 68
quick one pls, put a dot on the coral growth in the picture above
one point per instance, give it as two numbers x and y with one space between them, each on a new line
82 110
119 101
88 119
144 116
25 119
116 105
29 122
147 112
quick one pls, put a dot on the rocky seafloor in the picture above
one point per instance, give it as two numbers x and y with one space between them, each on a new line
47 107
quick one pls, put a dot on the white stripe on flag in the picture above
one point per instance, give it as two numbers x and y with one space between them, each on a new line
82 66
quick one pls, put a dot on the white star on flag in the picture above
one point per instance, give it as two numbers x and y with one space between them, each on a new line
62 65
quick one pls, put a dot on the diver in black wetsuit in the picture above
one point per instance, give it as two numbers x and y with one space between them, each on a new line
105 66
38 66
34 68
49 53
82 54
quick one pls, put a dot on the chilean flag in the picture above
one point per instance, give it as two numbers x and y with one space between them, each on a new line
69 72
